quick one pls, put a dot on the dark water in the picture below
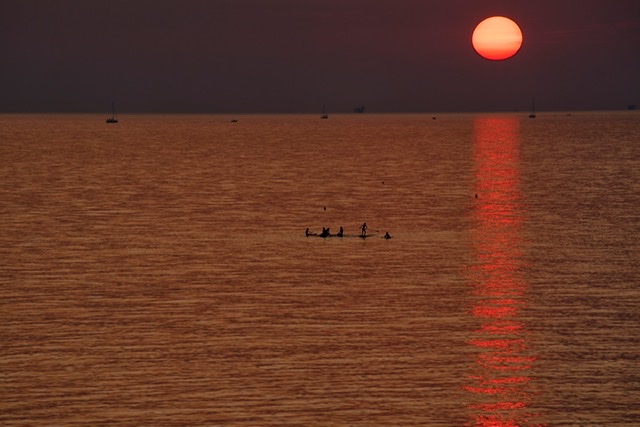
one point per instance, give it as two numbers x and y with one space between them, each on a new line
156 272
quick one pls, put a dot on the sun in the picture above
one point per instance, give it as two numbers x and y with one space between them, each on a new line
497 38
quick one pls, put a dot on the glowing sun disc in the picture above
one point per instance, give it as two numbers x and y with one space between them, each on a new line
497 38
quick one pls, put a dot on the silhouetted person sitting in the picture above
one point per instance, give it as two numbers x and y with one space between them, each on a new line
325 232
340 233
387 235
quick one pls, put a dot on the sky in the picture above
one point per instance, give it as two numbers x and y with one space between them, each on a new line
293 56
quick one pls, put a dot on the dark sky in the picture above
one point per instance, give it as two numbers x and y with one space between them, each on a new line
237 56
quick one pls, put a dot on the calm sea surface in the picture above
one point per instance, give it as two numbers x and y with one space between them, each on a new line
156 272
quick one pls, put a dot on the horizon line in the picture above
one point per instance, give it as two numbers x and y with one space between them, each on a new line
351 113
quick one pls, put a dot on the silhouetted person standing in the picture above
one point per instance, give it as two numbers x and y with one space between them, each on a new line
364 230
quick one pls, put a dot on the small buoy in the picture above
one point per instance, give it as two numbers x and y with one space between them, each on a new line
325 208
476 195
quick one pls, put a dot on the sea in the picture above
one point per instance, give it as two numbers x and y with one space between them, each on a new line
158 271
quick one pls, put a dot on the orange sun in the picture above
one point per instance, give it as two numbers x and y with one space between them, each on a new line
497 38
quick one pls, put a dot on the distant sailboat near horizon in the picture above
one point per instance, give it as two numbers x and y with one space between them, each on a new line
113 118
533 109
324 115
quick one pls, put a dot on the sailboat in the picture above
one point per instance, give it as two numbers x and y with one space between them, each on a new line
324 112
533 109
113 118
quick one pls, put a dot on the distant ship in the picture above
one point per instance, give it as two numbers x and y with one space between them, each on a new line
533 109
324 112
113 118
358 109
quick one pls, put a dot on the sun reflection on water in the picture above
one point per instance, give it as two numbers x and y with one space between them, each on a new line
501 387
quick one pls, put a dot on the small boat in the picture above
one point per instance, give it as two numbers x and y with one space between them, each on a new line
324 115
113 118
533 109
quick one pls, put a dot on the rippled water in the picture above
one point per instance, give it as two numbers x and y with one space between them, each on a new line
156 272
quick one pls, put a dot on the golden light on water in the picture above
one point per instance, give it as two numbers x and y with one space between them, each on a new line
501 387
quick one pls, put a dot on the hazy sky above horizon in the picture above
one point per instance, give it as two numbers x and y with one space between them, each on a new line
244 56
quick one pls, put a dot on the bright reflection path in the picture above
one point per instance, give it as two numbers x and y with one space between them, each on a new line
501 388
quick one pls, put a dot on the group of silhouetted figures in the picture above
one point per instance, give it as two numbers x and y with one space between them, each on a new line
326 232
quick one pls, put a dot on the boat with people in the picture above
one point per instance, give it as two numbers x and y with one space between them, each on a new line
344 236
326 232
